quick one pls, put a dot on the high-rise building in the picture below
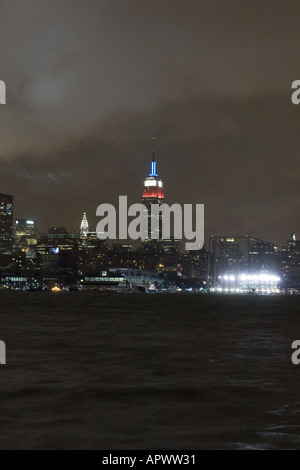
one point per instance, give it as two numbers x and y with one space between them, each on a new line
290 259
153 194
263 257
198 263
84 226
6 224
226 257
25 231
58 239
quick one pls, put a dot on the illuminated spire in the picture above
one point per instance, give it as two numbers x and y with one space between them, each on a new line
153 185
153 163
84 226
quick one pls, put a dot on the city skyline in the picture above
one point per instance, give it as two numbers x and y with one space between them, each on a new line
77 227
227 263
148 198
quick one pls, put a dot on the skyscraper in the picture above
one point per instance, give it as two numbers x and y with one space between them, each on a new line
25 232
263 257
290 259
153 194
84 226
6 224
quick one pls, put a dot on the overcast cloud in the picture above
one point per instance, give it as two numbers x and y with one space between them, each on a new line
90 82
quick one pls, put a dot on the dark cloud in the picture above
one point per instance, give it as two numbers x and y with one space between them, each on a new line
89 84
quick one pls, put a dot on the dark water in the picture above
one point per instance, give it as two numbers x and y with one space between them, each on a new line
148 371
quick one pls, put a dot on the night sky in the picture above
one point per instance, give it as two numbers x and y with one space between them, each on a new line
89 83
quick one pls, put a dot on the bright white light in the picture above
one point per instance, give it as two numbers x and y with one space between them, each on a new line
155 183
260 278
226 277
232 278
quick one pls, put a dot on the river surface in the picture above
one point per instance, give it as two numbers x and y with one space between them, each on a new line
88 370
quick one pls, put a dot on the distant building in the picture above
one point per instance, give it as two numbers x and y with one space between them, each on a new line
198 261
153 193
242 255
58 239
84 226
122 255
226 257
58 231
6 224
263 257
25 233
58 248
290 260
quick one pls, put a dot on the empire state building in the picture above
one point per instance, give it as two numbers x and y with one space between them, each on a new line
153 193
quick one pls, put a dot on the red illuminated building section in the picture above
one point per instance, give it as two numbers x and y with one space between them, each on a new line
153 192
